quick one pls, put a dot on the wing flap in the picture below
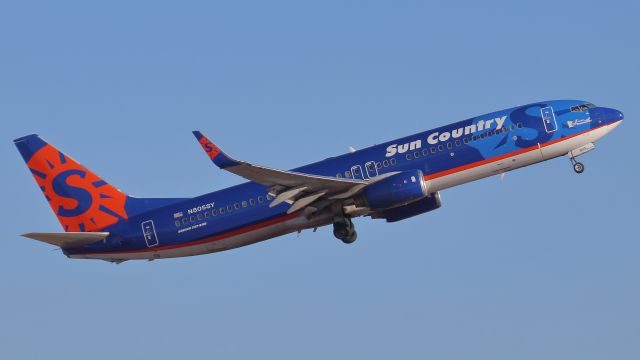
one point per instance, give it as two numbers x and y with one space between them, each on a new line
67 239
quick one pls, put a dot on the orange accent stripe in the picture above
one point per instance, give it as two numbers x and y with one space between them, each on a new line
504 156
228 234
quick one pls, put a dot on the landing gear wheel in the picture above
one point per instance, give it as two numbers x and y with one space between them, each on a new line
344 230
351 238
578 167
340 230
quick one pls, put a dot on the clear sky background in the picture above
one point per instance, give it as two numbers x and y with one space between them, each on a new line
542 265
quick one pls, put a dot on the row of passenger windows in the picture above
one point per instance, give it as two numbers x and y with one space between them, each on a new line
582 108
378 165
222 210
433 150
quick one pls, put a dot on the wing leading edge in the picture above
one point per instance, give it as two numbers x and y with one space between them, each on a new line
298 189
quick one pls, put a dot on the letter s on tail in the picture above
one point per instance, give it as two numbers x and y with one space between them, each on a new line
81 200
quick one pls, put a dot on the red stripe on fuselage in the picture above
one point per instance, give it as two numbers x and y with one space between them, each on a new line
504 156
225 235
284 218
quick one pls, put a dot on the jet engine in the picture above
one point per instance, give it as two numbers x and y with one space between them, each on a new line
396 190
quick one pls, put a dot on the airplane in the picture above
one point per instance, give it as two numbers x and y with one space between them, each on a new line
393 181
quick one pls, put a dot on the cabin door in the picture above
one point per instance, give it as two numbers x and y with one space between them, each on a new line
549 119
149 233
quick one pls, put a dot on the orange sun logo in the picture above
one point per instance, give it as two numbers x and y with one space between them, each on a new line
81 200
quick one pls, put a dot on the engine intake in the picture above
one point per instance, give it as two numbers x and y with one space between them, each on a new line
394 191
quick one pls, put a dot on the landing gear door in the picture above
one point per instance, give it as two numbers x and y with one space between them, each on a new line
549 119
149 233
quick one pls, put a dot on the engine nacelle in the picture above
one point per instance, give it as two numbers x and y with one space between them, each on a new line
396 190
418 207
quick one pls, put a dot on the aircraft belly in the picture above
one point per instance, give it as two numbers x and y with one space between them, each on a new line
492 168
561 148
248 238
534 155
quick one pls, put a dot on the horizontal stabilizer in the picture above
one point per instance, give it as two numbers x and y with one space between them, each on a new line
68 239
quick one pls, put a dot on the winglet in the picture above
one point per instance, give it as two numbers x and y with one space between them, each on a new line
216 155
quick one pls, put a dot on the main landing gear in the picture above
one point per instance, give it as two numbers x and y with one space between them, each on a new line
344 230
578 167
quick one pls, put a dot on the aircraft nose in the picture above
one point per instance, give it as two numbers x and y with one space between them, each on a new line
605 115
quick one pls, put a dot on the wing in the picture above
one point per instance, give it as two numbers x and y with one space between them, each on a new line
299 189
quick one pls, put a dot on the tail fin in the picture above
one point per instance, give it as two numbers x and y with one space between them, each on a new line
81 200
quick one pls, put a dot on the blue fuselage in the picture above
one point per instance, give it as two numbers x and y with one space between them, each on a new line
448 155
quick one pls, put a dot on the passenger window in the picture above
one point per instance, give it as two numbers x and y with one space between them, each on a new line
465 140
474 138
214 212
221 211
244 203
339 175
177 223
385 163
458 143
260 199
433 149
511 127
519 125
252 202
229 207
416 154
207 214
408 156
440 147
347 174
200 217
184 221
482 136
393 161
192 218
449 145
425 152
269 197
236 206
490 132
378 165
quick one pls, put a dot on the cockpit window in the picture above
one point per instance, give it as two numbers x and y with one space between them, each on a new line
582 108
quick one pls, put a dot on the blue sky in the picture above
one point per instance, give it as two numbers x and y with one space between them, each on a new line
543 264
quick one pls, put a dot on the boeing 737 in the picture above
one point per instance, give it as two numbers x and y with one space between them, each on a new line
393 181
